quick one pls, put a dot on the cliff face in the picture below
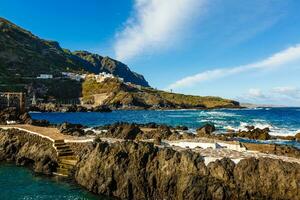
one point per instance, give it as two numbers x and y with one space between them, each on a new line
27 150
129 170
109 65
23 54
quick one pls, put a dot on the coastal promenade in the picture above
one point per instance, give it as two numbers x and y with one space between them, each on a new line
50 133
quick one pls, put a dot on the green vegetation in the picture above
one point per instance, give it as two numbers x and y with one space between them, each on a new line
119 93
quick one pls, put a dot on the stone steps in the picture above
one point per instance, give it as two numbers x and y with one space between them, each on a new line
66 158
69 162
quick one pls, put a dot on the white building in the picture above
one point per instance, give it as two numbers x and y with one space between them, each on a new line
73 76
103 76
45 76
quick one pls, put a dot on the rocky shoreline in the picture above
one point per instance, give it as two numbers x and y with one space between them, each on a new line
141 170
138 161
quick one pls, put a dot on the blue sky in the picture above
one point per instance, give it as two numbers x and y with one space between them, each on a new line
244 50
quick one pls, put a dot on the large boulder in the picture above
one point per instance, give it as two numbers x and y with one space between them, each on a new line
256 134
123 131
205 130
71 129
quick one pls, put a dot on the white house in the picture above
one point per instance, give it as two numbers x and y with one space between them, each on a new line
103 76
73 76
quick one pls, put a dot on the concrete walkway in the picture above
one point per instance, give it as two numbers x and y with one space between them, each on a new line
45 132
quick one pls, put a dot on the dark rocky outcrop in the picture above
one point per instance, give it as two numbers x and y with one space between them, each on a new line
28 150
123 131
51 107
71 129
205 130
252 133
12 114
130 170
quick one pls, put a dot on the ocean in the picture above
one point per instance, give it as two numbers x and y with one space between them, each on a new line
21 183
281 121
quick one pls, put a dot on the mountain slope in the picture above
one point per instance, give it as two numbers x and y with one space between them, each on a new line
109 65
23 53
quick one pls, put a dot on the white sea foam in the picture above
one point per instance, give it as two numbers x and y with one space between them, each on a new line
179 116
220 114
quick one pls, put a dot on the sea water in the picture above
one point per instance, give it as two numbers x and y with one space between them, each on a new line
21 183
281 121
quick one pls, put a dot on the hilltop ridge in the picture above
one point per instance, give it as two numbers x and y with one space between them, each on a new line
21 52
24 57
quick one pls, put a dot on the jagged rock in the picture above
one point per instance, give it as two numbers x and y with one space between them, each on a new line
129 170
28 150
102 108
257 134
249 128
123 131
182 128
297 136
71 129
266 178
205 130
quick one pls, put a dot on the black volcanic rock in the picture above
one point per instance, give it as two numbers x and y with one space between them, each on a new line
28 150
205 130
129 170
71 129
123 131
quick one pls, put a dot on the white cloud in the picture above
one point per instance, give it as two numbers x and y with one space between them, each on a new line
280 59
255 93
289 91
283 95
155 24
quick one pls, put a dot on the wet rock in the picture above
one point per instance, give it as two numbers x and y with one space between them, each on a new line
101 108
123 131
205 130
249 128
71 129
257 134
182 128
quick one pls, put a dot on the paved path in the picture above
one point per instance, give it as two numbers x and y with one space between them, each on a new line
48 132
